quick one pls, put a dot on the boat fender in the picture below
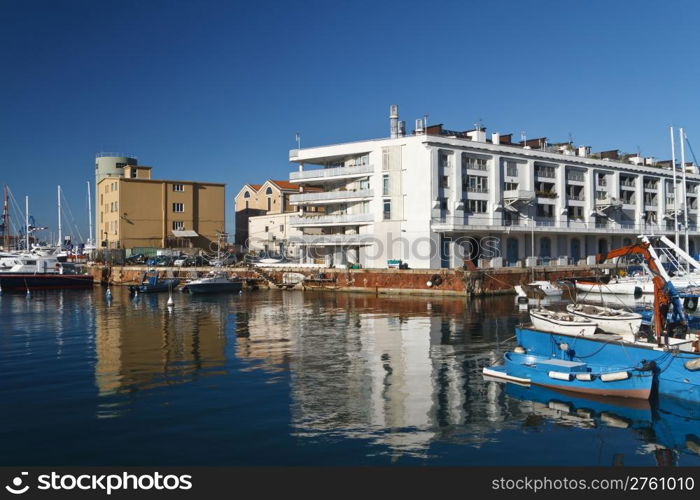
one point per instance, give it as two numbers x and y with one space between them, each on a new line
519 349
564 346
693 364
560 375
690 304
434 280
614 376
585 377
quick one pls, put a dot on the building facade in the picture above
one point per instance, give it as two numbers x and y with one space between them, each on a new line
252 200
439 198
135 210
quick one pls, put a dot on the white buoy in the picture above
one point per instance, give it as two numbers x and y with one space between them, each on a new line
29 293
108 294
171 302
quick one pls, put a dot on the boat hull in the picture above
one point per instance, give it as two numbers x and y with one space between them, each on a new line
547 324
619 288
232 287
23 281
671 376
627 325
577 377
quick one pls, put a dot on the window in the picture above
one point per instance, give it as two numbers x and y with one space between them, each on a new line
120 165
511 169
178 225
246 194
178 207
364 183
281 228
473 163
387 209
133 173
268 191
444 181
267 229
477 206
385 185
477 184
510 186
575 213
178 187
443 204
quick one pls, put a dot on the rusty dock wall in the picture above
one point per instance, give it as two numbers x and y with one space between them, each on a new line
454 282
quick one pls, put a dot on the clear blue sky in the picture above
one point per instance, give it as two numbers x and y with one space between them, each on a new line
215 91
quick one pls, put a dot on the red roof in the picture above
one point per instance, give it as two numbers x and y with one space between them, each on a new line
285 185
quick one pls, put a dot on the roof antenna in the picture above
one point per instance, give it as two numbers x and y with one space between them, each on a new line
571 138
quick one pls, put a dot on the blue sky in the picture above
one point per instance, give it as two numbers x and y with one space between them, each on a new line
215 91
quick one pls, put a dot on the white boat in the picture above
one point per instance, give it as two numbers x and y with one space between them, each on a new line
610 320
215 281
616 286
561 322
547 287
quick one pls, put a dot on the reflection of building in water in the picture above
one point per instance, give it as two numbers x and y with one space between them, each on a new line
400 371
140 345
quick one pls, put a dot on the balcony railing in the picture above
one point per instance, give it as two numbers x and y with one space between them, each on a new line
545 172
330 196
544 225
327 220
518 194
575 197
574 177
477 189
334 239
326 173
475 166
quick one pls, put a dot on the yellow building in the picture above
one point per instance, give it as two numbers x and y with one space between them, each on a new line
137 211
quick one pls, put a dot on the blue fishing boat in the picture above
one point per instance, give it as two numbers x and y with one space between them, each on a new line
151 283
617 380
671 351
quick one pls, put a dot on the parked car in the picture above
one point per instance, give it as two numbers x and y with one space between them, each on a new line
180 261
138 258
224 260
196 261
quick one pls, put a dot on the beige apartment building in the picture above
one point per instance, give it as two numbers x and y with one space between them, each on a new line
272 197
138 211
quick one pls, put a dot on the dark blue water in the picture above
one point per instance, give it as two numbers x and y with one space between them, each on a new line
286 378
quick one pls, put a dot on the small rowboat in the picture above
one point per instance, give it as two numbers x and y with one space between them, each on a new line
561 322
574 376
609 320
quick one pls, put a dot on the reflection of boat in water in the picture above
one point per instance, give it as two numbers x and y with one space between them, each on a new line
151 283
666 424
575 376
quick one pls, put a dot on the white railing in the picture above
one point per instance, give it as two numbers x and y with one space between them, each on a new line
330 196
335 239
323 220
544 225
324 173
518 194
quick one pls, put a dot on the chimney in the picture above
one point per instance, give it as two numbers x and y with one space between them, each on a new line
394 120
584 151
419 126
496 138
402 128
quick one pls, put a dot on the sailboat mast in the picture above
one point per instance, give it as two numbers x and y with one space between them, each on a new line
675 194
26 220
6 222
90 240
60 235
685 196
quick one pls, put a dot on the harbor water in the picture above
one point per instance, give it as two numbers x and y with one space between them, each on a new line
294 378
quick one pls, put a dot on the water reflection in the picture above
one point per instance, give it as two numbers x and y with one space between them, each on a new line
381 379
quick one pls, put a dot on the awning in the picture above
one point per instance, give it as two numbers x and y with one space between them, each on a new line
185 233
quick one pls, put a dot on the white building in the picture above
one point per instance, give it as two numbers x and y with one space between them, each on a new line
437 197
273 234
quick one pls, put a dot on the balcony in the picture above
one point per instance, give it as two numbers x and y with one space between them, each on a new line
330 197
607 201
477 189
328 174
518 194
574 177
331 220
575 197
545 172
545 225
334 239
